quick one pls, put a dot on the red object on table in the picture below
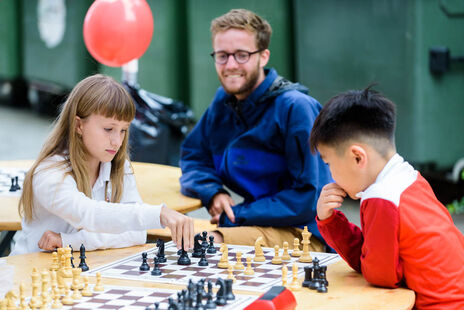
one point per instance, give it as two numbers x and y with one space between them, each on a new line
277 298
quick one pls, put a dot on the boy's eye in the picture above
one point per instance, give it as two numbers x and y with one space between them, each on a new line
124 130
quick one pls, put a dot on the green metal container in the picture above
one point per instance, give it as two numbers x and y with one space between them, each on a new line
343 45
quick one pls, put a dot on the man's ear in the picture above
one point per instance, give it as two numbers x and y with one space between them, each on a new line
264 57
359 155
78 125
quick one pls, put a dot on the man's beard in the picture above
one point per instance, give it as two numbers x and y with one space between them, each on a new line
246 88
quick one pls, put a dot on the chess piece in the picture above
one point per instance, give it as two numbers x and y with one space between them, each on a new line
239 265
22 297
60 286
66 268
60 252
315 283
98 286
10 298
204 242
305 257
221 293
156 269
322 275
211 248
76 294
46 298
197 245
17 184
72 256
249 271
12 187
144 266
230 275
55 265
276 260
296 248
86 290
259 254
82 263
224 261
3 304
295 285
67 299
308 276
199 297
203 261
183 259
210 303
35 301
229 293
160 255
285 255
56 299
77 280
284 275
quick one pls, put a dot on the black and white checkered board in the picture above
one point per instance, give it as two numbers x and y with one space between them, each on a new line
138 298
266 274
6 173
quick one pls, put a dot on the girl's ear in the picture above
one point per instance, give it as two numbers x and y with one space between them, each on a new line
359 155
78 125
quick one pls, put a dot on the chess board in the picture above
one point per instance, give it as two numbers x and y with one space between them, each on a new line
266 274
6 173
139 298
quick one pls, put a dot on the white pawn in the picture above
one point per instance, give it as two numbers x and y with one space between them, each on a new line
231 273
285 255
56 299
277 260
45 295
98 286
239 265
249 271
67 299
295 285
86 291
55 265
284 275
296 248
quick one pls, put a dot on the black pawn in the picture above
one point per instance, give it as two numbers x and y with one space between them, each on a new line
144 266
308 276
229 293
322 288
72 257
204 242
183 259
210 303
17 184
203 261
211 248
83 264
13 187
323 276
156 269
172 304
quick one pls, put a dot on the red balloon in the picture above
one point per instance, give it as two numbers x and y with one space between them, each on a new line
118 31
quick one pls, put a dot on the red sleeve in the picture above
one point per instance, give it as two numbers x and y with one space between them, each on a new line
344 237
380 263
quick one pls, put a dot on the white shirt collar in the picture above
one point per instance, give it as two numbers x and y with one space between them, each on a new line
103 175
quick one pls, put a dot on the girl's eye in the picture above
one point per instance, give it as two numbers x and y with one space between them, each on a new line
107 129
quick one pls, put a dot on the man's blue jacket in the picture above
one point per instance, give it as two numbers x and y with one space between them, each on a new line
259 148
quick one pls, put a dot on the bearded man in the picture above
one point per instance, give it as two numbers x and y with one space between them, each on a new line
253 139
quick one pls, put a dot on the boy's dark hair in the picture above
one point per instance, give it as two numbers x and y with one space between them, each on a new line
354 114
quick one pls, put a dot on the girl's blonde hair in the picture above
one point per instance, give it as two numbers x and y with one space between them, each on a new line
97 94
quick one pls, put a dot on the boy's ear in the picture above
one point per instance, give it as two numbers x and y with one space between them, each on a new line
78 125
359 154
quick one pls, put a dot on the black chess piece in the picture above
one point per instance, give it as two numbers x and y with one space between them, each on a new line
322 274
197 246
229 293
72 257
82 263
308 276
144 266
211 248
204 242
202 287
210 303
156 269
322 288
183 258
13 187
221 293
198 302
172 305
203 261
17 184
157 305
160 255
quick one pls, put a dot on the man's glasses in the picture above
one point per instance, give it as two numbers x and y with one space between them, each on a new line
240 57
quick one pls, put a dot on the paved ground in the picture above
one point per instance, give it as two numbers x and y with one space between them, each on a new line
22 133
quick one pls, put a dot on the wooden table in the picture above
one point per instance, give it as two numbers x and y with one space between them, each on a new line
156 184
347 289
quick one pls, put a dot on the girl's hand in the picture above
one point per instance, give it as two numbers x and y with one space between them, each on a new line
50 241
181 227
332 196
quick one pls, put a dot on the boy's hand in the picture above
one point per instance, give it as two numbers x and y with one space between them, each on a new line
221 203
50 241
332 196
181 227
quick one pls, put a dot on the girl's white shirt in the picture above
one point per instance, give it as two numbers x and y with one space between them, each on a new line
60 207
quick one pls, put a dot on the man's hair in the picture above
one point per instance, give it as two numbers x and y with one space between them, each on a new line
245 20
363 115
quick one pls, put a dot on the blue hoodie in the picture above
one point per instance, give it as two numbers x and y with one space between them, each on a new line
259 148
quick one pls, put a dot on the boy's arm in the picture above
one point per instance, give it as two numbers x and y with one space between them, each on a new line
380 262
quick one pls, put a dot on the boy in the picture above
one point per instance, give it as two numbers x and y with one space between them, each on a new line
407 236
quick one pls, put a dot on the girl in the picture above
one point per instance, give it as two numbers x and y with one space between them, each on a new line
81 189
